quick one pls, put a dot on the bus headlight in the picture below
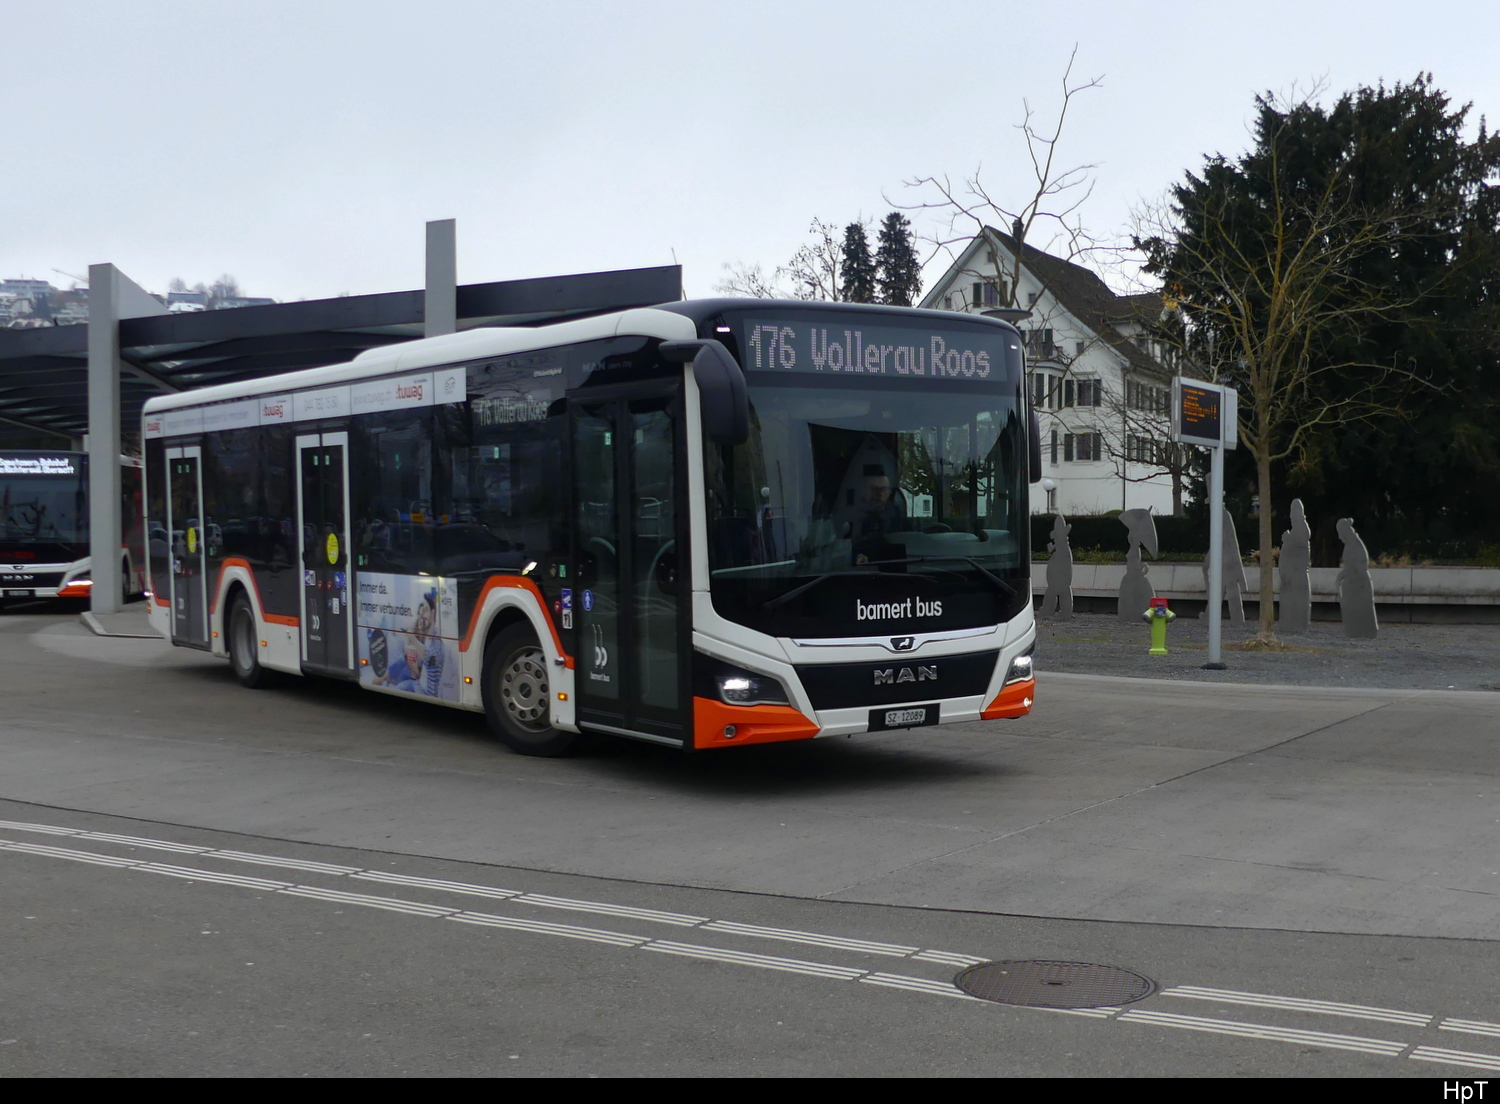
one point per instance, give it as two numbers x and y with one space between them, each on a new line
748 689
1022 667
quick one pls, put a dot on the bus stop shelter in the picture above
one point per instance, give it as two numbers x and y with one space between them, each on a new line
89 380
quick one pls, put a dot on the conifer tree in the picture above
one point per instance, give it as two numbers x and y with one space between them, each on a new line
900 273
859 267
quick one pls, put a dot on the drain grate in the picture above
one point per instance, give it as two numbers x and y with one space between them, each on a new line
1041 984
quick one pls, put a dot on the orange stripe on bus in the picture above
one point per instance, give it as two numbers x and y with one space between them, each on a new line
238 561
520 583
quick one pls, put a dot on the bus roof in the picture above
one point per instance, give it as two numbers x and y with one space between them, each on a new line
448 349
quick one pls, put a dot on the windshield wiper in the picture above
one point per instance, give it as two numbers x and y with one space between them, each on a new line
795 591
1000 584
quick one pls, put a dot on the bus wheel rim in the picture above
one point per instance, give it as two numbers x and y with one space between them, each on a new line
523 689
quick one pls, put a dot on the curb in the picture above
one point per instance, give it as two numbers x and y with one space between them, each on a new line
97 629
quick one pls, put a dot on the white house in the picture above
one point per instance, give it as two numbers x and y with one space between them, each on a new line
1098 382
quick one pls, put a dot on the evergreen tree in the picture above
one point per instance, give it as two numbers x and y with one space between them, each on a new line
859 267
1340 274
900 273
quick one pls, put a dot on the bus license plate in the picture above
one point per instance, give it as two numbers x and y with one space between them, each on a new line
18 594
910 717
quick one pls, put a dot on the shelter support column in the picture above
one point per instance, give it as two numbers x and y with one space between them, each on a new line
112 297
440 315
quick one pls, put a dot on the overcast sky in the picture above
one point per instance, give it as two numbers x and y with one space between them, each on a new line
301 146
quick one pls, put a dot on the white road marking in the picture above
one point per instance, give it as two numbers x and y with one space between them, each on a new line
1300 1004
745 958
917 985
1456 1058
435 883
1388 1048
942 958
44 829
65 853
1092 1013
816 938
195 875
390 904
932 987
137 841
289 864
542 927
948 958
624 911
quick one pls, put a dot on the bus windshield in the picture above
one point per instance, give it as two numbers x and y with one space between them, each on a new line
877 504
43 500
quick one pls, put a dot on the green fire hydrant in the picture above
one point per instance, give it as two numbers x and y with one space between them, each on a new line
1159 616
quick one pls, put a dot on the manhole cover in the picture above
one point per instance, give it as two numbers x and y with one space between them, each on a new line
1037 984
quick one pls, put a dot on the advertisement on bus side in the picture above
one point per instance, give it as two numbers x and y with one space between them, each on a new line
408 633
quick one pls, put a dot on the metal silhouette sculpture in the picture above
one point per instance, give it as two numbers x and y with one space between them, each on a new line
1232 576
1295 615
1057 602
1356 592
1136 590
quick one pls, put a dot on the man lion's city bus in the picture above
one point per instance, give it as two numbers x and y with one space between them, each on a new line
702 524
44 548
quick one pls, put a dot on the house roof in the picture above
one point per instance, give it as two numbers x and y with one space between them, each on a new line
1089 299
1083 295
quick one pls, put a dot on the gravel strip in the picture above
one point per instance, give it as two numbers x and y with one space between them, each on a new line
1425 657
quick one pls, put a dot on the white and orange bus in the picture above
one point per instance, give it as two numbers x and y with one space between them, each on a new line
703 524
44 545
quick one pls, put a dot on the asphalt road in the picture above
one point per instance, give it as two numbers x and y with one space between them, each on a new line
346 884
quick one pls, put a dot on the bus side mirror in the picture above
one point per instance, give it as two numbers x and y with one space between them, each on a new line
1035 459
721 388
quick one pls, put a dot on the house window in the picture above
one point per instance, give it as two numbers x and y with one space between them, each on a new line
1052 501
1054 446
977 293
1039 345
1090 392
947 302
1082 446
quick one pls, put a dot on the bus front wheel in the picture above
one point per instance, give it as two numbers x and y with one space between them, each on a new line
244 657
517 695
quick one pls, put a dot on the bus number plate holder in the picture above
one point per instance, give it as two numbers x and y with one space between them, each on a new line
18 594
912 716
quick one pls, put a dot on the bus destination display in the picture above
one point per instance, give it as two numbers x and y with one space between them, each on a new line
869 350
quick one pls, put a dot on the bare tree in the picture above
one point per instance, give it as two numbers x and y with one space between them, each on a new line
749 281
1050 210
814 273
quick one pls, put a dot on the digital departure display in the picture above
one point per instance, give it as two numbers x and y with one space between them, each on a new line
1200 412
854 348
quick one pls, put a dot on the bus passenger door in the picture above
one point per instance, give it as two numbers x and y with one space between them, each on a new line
189 546
630 597
323 519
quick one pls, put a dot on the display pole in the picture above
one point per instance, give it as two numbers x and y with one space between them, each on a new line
1215 559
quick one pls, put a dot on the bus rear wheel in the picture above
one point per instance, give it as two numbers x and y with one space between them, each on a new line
244 656
517 695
